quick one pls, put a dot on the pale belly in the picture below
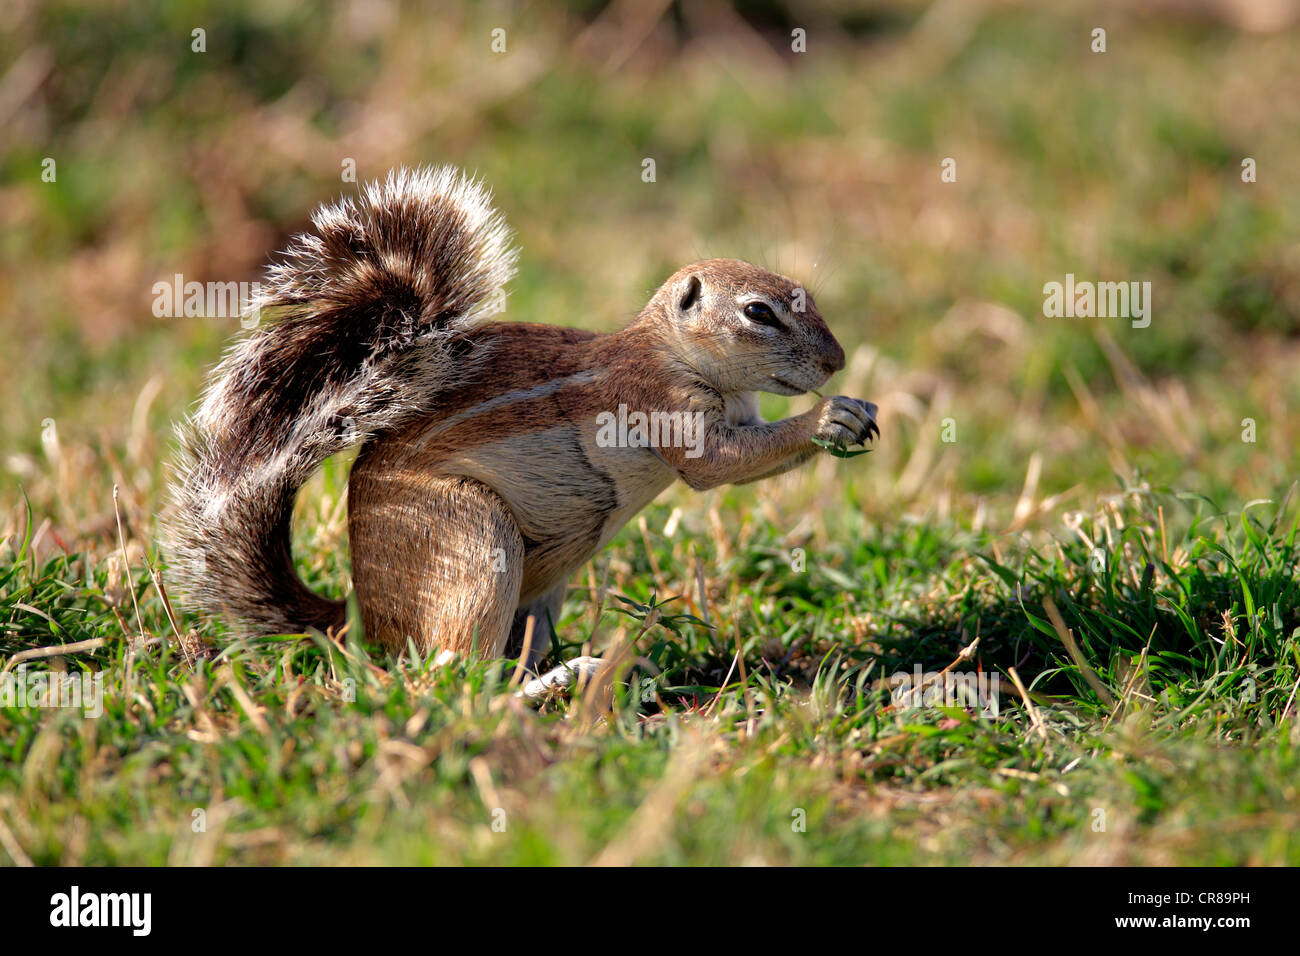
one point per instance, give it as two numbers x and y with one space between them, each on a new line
568 495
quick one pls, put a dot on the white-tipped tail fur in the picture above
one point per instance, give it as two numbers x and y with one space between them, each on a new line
360 334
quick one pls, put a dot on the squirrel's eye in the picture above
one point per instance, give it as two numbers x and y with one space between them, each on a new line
762 313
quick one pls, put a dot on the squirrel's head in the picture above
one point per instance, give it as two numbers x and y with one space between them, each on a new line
744 329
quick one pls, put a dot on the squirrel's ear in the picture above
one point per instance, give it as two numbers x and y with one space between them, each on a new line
691 296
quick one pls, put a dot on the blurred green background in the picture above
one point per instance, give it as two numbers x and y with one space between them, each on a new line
825 164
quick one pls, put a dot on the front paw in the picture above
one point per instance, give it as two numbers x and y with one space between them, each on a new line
843 421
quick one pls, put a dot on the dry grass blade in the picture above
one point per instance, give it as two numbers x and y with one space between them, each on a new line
967 653
1076 655
744 676
1138 672
646 829
54 650
251 710
11 846
1290 701
520 668
598 692
126 563
1028 493
1035 717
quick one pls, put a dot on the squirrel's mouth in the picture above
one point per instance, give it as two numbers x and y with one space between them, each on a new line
788 388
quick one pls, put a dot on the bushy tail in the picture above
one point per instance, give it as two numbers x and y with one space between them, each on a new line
365 313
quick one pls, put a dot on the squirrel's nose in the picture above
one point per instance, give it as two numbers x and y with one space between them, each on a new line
833 361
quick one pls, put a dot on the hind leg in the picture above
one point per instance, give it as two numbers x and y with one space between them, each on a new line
545 612
435 559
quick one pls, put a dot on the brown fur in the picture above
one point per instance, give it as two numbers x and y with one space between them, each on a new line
482 484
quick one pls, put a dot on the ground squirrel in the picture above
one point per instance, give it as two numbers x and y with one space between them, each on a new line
497 457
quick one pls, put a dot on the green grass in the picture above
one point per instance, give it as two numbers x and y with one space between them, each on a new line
1027 465
300 750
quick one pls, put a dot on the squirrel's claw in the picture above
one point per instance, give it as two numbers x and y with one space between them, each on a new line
847 421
